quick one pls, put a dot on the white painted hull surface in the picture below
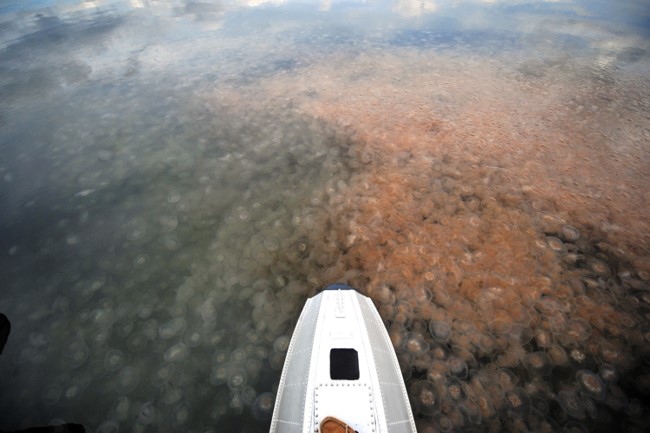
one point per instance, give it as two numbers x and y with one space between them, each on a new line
341 363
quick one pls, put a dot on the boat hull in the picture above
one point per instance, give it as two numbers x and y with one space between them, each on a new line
341 363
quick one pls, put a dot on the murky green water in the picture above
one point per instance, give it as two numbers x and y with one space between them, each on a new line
176 178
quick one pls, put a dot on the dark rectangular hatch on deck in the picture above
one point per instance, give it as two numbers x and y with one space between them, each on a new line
344 364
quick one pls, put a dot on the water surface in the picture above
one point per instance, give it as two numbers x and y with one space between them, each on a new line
178 177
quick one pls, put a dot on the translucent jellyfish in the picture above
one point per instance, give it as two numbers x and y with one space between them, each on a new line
424 426
455 390
443 422
616 398
539 404
420 295
457 367
38 339
569 233
182 415
72 392
177 353
440 331
599 267
543 338
219 374
472 411
100 336
415 344
263 406
424 394
147 413
571 402
77 352
505 378
113 360
382 294
574 427
237 378
608 373
122 408
578 330
128 379
238 355
248 395
556 245
172 328
150 329
170 395
538 363
439 352
437 372
591 384
163 373
549 305
557 354
501 323
220 356
579 358
136 342
281 344
522 333
518 401
193 339
236 403
591 408
403 313
124 328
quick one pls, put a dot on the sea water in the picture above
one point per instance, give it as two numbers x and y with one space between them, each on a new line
176 178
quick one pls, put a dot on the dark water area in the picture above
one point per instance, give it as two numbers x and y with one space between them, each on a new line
177 178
